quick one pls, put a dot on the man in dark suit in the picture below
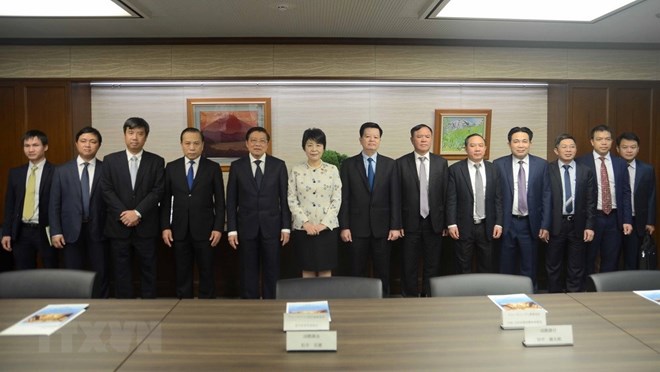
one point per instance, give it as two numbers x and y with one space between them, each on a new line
474 207
423 178
77 210
370 214
527 203
26 206
642 187
573 216
258 213
614 210
132 184
192 214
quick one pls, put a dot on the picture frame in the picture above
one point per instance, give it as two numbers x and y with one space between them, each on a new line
454 125
224 123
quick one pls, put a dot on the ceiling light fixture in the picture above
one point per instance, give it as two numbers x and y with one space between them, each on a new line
65 8
529 10
365 83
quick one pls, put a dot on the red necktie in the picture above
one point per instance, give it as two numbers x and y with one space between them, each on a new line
605 187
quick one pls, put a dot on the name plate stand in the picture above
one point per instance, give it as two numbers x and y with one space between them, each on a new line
309 332
519 319
556 335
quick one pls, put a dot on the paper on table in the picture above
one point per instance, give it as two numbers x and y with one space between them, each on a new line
653 296
46 321
308 307
518 301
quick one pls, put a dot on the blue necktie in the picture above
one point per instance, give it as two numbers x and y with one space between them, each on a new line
370 173
567 189
84 188
191 174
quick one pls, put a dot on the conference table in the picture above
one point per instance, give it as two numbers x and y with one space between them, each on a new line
453 334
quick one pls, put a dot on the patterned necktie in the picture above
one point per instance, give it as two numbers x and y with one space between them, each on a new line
423 189
479 197
258 174
30 189
370 173
568 194
522 189
84 189
605 187
133 169
191 174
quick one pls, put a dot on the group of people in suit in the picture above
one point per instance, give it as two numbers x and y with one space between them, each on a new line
588 209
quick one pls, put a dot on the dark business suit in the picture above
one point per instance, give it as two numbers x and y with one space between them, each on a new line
26 239
258 215
519 250
644 199
83 238
195 213
460 211
607 234
567 232
370 215
423 236
119 196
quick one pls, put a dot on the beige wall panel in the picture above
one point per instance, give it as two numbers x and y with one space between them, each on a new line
339 111
424 62
324 60
34 62
139 61
519 63
217 61
613 65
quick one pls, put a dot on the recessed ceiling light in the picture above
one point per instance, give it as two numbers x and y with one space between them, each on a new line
530 10
65 8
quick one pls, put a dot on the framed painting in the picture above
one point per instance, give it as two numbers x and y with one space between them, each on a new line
453 126
224 123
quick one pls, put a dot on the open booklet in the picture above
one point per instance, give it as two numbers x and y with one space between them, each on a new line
653 296
519 301
315 307
46 321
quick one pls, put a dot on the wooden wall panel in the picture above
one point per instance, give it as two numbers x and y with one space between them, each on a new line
47 109
633 111
587 107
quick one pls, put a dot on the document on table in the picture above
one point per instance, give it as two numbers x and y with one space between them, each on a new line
653 296
518 301
46 320
314 307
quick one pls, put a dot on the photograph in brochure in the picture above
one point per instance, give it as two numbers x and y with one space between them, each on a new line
314 307
46 320
653 296
518 301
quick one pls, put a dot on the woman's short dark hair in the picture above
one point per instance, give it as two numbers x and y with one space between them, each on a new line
133 123
314 134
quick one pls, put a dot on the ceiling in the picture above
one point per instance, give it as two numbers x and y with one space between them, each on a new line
635 27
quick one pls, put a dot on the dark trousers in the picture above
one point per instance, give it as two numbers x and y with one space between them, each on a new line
631 245
122 252
607 242
31 240
187 252
473 239
519 252
89 252
428 245
379 250
570 243
256 253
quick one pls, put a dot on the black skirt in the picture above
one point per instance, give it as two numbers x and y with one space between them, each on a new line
316 252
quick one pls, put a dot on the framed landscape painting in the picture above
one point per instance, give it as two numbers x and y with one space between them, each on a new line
224 123
453 126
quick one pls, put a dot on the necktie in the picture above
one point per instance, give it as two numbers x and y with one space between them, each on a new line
522 189
191 174
84 189
479 197
631 174
258 174
30 188
605 187
133 169
423 189
568 194
370 173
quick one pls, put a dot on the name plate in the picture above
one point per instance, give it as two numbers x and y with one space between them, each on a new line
519 319
311 341
557 335
306 322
